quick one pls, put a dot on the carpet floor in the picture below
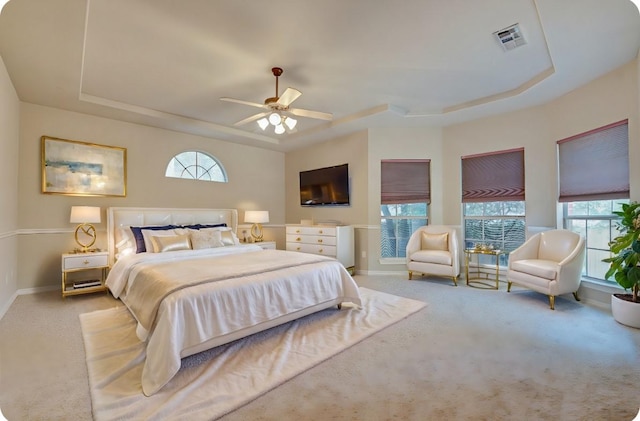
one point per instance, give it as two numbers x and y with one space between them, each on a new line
471 354
213 383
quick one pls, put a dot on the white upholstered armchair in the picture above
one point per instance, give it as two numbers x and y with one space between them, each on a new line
433 250
549 262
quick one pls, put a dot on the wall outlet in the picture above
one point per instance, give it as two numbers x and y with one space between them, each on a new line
364 254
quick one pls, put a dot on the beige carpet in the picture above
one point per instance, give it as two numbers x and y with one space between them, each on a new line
218 381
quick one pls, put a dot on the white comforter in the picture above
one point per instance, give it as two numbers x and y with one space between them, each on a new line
213 303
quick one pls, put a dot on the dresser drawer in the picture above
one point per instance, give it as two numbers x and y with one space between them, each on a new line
82 261
313 249
311 239
314 230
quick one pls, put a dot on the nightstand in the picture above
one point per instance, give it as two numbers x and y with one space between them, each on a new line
79 271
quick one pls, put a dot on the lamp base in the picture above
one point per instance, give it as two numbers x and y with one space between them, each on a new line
256 233
85 236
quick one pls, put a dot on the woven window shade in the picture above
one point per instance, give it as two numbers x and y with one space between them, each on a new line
493 177
405 181
595 165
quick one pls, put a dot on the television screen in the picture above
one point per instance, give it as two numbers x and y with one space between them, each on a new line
325 186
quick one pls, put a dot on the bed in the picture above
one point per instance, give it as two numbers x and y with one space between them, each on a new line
192 286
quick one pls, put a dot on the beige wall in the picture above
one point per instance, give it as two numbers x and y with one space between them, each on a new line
256 180
261 179
9 140
611 98
350 150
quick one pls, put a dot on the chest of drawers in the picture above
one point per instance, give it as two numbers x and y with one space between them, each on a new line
328 240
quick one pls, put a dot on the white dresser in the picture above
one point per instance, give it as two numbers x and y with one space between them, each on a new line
328 240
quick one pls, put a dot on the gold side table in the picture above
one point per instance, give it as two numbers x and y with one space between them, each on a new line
478 280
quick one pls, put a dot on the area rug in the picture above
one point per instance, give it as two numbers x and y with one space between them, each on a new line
215 382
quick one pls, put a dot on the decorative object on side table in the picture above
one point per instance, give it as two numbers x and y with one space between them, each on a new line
85 234
625 265
256 218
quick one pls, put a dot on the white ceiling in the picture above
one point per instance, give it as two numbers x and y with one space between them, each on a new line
372 63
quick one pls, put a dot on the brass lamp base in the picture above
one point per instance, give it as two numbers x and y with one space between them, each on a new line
256 233
88 234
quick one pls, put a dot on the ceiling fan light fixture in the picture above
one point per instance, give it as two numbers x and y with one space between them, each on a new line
263 123
279 129
290 122
275 119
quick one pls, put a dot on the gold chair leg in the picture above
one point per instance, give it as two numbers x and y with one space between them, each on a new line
552 301
508 286
575 295
455 283
410 275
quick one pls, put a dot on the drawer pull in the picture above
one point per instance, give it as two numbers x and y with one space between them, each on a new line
320 232
298 249
320 240
297 231
320 251
298 239
86 262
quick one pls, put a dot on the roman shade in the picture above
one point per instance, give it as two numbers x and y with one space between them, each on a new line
493 177
595 165
405 181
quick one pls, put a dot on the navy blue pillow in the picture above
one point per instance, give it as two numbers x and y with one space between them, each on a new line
200 226
137 234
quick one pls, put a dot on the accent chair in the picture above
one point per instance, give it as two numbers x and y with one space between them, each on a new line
549 262
433 250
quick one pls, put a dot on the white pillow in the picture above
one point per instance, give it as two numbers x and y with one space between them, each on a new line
164 243
205 238
148 233
227 236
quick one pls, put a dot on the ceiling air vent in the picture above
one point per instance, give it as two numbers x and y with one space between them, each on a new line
510 37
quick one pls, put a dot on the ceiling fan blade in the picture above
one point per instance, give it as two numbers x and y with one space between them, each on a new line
310 114
252 118
288 96
239 101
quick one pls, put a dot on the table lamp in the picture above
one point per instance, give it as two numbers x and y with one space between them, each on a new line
84 216
256 218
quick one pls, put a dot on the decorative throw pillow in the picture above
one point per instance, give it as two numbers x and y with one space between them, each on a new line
147 235
163 244
137 235
434 241
205 239
229 238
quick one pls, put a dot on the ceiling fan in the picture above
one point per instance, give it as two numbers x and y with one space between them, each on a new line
277 109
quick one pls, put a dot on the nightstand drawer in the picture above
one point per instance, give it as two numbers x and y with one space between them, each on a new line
84 261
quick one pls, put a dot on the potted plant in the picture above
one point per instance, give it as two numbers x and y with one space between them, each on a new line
624 266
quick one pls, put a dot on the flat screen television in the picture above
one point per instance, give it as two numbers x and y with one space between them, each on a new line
325 186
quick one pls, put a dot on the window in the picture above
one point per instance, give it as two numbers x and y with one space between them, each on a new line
595 221
493 201
196 166
593 170
405 195
501 224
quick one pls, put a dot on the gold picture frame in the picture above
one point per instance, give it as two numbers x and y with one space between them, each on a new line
75 168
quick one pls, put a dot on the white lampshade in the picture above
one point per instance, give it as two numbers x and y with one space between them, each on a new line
256 217
291 122
263 123
2 3
275 119
85 215
279 129
637 3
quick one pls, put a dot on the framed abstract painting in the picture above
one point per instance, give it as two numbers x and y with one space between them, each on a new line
83 169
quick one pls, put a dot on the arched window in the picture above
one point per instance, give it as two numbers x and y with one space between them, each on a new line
196 166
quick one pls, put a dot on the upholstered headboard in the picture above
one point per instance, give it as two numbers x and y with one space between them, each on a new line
120 219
